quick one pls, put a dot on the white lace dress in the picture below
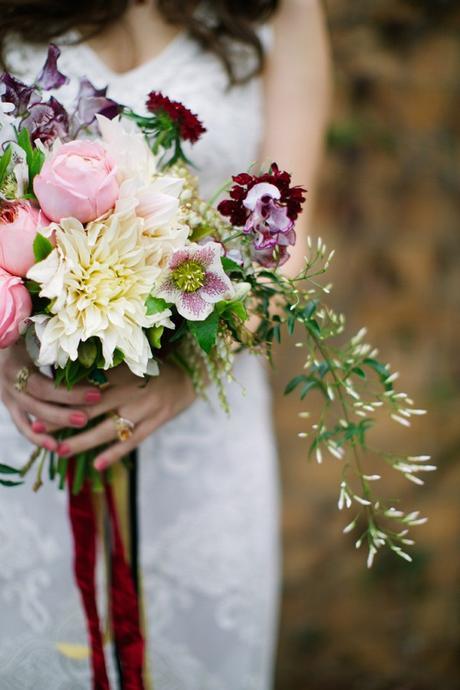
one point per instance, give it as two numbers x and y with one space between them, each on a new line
209 522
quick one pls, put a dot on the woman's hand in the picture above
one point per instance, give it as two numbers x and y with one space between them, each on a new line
52 407
146 405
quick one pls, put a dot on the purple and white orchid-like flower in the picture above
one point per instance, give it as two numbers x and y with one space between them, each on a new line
270 225
269 221
196 280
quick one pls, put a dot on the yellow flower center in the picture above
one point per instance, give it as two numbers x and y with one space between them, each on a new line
189 276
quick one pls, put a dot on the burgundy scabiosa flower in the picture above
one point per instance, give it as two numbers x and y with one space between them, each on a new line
290 197
196 280
186 123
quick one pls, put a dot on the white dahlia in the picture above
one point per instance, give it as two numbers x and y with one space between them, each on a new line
98 278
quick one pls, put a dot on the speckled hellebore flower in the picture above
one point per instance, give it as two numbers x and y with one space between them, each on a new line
196 280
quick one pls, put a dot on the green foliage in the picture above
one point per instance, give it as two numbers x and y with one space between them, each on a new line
154 336
231 267
35 157
340 371
155 305
88 353
205 332
42 247
4 163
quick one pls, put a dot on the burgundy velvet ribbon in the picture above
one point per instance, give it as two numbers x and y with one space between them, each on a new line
124 602
84 532
124 607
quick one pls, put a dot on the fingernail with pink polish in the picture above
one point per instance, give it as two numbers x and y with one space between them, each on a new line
93 396
38 427
78 419
101 464
64 450
49 444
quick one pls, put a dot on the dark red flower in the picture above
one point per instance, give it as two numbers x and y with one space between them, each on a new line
291 197
8 212
189 126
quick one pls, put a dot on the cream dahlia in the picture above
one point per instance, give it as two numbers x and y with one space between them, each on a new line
98 278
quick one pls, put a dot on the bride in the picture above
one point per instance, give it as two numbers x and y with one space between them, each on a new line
208 485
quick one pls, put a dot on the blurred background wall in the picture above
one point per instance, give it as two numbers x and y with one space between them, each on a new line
389 203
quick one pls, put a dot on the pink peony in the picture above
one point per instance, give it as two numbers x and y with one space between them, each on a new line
15 308
19 223
77 181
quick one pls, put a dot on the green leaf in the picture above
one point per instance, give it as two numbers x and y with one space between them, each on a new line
42 247
6 469
310 308
80 473
205 332
359 372
4 162
231 266
98 377
200 231
291 323
87 353
313 327
229 309
6 482
379 369
59 377
154 336
33 287
309 386
118 358
293 383
155 305
52 466
62 471
25 142
35 157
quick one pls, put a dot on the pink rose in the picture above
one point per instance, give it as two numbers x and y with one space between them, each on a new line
15 308
19 223
79 181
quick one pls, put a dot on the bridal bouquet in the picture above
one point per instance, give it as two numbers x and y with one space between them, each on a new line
109 257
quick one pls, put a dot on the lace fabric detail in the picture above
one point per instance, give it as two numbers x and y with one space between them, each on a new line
209 511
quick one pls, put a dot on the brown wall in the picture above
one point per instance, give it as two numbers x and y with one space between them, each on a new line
389 204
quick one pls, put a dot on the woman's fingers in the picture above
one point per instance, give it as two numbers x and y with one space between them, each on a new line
115 398
22 423
139 414
97 436
46 414
120 450
43 388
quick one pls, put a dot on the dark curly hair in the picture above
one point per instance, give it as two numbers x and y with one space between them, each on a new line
40 21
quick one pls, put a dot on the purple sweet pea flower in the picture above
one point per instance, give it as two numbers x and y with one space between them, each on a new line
196 280
50 77
271 258
91 102
14 91
269 221
47 121
270 225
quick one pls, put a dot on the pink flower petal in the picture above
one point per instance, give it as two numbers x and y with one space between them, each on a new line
193 307
214 288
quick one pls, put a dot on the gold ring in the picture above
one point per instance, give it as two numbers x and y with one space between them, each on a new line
21 380
124 427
